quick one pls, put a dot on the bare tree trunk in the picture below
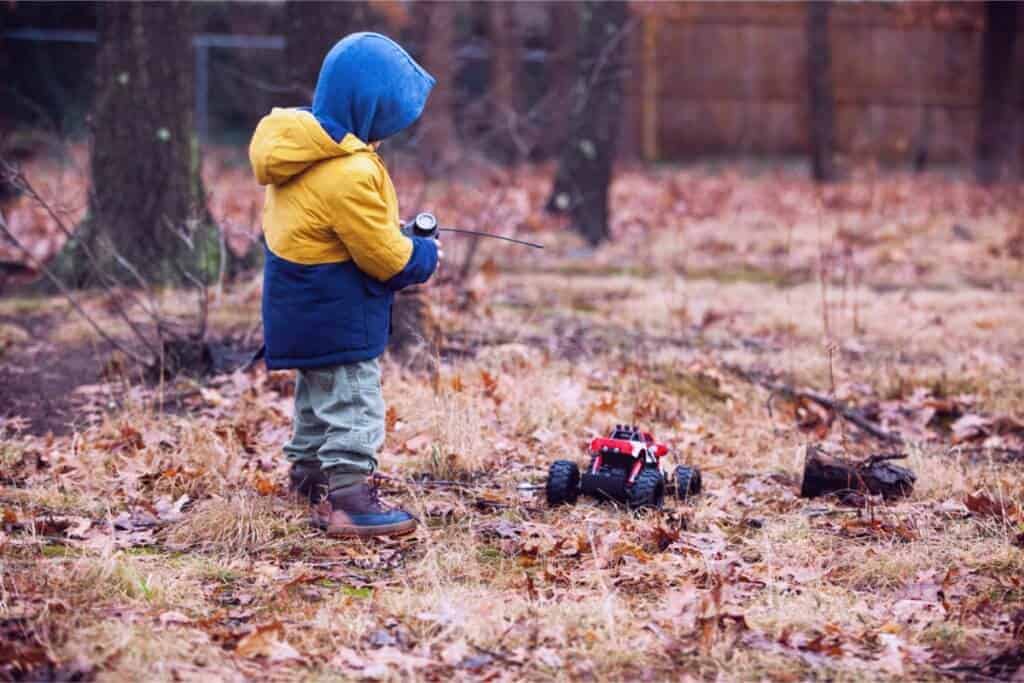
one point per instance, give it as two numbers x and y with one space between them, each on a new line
994 118
585 165
7 189
148 214
821 105
562 40
311 29
438 136
506 66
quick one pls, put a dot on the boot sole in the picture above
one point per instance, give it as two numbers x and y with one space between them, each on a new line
398 529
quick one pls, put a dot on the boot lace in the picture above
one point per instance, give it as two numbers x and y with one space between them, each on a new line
373 492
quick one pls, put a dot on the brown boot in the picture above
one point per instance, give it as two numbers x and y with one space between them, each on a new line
356 511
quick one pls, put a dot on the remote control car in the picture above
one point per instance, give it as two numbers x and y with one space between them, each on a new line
625 467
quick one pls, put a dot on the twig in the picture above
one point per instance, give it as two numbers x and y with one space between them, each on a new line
882 457
490 215
23 183
496 655
68 295
854 416
204 303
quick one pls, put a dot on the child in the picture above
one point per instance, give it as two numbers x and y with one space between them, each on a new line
335 256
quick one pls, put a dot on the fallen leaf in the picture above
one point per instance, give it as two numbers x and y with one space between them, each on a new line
172 617
264 486
268 642
417 443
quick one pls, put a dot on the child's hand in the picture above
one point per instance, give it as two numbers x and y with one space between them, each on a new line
440 252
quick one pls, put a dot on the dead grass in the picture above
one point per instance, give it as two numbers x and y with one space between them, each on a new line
240 525
194 545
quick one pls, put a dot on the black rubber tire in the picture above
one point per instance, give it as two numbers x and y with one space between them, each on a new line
648 491
563 482
688 483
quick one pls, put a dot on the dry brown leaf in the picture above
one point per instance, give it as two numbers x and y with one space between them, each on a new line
983 505
268 642
417 443
264 486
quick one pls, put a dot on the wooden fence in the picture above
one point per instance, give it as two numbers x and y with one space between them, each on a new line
731 79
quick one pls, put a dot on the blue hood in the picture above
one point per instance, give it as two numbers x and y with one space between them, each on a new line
370 87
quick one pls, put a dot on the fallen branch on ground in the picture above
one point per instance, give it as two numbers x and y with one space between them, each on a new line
848 413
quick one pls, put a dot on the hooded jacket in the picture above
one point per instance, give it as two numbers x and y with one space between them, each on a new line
335 254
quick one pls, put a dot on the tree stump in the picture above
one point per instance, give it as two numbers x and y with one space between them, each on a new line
824 474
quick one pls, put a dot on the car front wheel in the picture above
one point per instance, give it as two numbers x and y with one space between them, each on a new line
563 482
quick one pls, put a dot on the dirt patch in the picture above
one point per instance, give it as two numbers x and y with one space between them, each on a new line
38 378
42 383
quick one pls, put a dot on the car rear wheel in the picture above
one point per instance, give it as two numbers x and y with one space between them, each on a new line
688 483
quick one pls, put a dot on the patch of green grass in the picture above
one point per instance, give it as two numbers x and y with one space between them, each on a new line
584 268
360 592
10 451
147 551
363 592
222 575
489 555
57 550
695 388
945 635
733 274
1008 563
21 305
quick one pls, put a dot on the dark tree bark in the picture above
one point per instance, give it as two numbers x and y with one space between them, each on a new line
505 88
311 29
995 113
821 104
7 189
437 130
585 164
825 475
562 41
147 214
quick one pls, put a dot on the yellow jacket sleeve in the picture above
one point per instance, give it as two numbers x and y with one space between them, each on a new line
367 225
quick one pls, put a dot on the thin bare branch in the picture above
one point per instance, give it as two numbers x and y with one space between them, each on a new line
70 297
23 183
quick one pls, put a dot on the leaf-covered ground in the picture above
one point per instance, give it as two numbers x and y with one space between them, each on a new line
152 539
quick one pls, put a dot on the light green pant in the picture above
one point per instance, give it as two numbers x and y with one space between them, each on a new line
339 419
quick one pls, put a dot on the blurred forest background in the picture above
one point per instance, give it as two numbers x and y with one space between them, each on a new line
841 86
910 84
916 86
837 87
